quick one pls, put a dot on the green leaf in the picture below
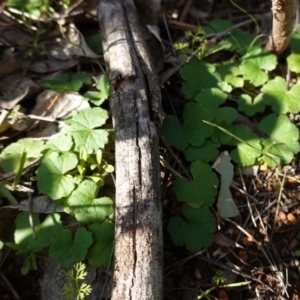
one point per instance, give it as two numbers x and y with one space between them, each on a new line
61 83
284 136
11 155
230 73
86 208
198 75
29 264
95 43
68 251
196 232
294 62
45 232
251 106
255 64
100 253
103 86
61 142
81 127
225 115
173 133
211 98
241 41
206 153
202 190
83 77
295 41
248 151
194 129
226 206
51 175
222 45
217 25
282 101
104 91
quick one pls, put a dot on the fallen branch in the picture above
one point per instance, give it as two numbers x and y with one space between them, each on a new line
135 103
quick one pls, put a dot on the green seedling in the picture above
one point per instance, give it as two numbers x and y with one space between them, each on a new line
74 288
219 279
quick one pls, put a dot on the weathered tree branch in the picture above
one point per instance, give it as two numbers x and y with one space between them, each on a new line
134 101
284 13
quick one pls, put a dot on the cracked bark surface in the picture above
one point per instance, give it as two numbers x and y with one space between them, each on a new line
135 105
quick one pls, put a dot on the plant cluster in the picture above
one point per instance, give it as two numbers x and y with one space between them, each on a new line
72 173
239 105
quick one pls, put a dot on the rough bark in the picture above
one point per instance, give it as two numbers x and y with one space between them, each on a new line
284 14
134 101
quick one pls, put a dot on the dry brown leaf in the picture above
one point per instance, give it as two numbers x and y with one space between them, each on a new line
282 215
222 295
223 241
243 255
14 89
55 106
42 204
291 218
246 240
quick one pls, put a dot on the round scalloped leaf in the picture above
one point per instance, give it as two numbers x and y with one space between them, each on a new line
254 65
11 155
202 190
279 98
284 136
225 115
211 98
221 137
249 106
61 142
51 174
295 40
68 251
273 153
247 152
45 231
173 133
104 91
86 208
196 232
230 72
241 40
195 130
198 75
294 62
81 126
207 153
99 255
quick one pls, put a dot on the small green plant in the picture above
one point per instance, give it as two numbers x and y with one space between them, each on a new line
36 46
74 288
34 7
72 173
219 279
64 82
219 96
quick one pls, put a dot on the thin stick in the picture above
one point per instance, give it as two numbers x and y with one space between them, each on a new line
278 203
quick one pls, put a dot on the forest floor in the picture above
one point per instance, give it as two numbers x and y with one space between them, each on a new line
265 257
